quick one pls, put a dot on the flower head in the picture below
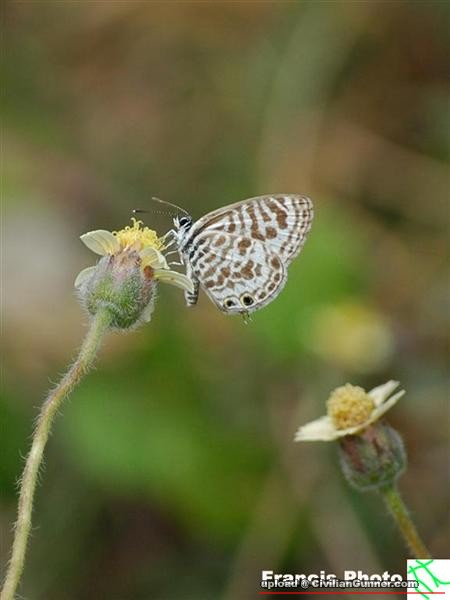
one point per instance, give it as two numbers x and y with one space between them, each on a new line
350 410
125 278
138 237
372 453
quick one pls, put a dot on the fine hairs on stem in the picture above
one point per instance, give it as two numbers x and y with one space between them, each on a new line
401 516
98 326
119 293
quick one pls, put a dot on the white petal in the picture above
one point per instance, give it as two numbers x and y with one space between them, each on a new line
380 393
357 428
101 242
383 408
152 258
321 430
83 276
174 278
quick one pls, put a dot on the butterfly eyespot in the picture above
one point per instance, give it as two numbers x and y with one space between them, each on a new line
247 300
229 303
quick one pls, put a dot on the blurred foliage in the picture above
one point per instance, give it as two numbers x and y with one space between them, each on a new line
172 472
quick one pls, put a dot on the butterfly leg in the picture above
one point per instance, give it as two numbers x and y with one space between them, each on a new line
170 237
192 297
175 263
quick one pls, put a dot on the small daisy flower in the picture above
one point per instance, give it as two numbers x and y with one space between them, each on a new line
350 410
371 452
142 241
125 278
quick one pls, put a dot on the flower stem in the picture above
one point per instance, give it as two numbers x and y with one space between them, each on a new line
98 326
398 510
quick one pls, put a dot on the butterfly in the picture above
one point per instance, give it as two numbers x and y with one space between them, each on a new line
239 254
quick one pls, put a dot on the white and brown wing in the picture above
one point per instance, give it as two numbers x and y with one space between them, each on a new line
281 221
240 275
240 253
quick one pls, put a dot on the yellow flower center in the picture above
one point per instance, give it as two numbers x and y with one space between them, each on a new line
349 406
138 237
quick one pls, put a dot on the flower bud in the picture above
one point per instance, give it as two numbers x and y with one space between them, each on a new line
374 458
119 283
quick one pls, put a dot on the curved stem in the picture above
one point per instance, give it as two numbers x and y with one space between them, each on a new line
84 360
398 510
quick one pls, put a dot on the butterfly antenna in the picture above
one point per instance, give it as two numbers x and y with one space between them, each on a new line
137 211
171 204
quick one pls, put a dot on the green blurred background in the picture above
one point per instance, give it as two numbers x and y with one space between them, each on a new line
172 471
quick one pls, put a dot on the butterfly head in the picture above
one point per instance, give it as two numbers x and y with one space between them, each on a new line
183 223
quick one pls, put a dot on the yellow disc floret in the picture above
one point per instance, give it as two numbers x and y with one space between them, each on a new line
137 237
349 406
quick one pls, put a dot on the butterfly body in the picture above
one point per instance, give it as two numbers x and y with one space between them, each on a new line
239 254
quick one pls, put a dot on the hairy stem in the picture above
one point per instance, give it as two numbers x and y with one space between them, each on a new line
398 510
84 360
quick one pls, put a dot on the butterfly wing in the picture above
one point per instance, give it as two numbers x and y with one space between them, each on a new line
280 220
238 274
240 253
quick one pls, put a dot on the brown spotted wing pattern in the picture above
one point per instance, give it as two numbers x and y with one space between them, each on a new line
239 254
